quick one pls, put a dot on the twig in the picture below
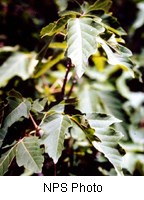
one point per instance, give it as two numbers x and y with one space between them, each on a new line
72 86
65 78
37 129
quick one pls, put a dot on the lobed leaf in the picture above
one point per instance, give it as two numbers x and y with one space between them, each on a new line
55 127
29 154
81 41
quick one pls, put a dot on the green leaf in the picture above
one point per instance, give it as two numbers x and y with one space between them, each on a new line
140 16
62 4
112 25
119 59
82 123
81 41
120 49
104 5
18 64
17 108
137 134
29 154
109 138
55 127
6 160
55 27
40 70
88 100
39 104
101 120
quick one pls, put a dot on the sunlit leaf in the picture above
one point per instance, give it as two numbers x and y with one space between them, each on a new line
29 154
18 64
81 41
55 127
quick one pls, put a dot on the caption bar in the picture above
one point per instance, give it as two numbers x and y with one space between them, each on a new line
73 187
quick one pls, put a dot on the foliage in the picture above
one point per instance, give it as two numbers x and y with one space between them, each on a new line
77 99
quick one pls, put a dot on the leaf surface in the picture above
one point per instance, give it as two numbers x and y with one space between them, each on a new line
109 138
81 41
29 154
100 5
6 160
55 127
55 27
18 64
17 108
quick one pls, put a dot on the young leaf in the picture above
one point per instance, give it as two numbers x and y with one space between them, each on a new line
109 138
81 41
29 154
119 59
100 5
18 64
55 27
6 160
55 127
17 108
